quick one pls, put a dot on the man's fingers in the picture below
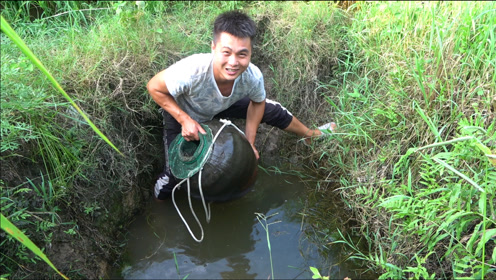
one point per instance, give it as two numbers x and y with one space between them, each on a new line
194 137
257 156
191 136
201 130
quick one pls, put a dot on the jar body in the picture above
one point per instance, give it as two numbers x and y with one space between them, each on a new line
230 170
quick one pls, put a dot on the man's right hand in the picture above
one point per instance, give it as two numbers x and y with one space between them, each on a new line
190 129
161 95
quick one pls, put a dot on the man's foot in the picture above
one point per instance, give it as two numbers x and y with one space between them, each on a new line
323 130
327 128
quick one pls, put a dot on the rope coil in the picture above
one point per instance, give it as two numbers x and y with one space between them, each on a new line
207 211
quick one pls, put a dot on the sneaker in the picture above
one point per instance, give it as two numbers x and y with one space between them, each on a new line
327 128
162 189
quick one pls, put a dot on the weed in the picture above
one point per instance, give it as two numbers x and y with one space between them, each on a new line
316 274
265 225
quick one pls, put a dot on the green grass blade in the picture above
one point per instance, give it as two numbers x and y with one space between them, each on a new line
11 229
444 143
427 120
177 266
459 174
5 27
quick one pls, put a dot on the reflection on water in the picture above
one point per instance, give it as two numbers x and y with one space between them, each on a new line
235 243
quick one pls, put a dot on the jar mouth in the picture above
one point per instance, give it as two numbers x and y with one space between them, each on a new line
187 157
190 151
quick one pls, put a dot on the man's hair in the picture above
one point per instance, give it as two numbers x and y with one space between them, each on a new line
235 23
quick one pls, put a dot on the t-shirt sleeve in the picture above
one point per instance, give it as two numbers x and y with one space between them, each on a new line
257 94
178 78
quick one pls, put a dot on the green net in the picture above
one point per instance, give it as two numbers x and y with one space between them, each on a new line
186 158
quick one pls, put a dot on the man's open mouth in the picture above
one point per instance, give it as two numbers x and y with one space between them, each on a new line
231 71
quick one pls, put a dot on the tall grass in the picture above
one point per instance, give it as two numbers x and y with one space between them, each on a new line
418 132
46 194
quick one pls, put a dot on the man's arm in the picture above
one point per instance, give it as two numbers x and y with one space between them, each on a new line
161 95
253 117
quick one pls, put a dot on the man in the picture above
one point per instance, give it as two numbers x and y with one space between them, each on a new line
221 84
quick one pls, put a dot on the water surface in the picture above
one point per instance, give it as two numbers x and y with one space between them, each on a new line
235 244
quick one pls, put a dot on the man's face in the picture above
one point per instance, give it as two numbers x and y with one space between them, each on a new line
231 57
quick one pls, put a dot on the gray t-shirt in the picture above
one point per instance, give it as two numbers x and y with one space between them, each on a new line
191 82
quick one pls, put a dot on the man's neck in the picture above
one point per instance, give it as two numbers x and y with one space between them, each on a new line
226 87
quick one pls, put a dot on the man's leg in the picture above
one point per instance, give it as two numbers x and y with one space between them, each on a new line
166 181
275 115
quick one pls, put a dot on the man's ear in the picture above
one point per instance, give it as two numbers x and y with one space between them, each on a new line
213 45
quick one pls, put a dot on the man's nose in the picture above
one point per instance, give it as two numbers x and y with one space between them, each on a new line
232 60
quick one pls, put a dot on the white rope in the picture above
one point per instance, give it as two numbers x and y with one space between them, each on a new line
191 207
207 211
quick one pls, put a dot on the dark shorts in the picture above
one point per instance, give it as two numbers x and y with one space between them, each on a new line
275 115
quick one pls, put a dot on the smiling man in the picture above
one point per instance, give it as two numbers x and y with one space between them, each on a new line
220 84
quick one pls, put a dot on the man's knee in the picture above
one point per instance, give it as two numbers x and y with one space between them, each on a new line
163 186
276 115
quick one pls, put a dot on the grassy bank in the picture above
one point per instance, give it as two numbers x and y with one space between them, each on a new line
415 153
411 85
61 184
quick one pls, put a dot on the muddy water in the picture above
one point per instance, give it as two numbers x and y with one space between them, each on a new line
235 243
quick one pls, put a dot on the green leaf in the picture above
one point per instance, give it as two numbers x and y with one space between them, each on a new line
7 206
473 238
439 238
491 233
390 200
355 94
459 174
316 273
11 229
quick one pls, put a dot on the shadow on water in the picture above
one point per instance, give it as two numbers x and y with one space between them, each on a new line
235 243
